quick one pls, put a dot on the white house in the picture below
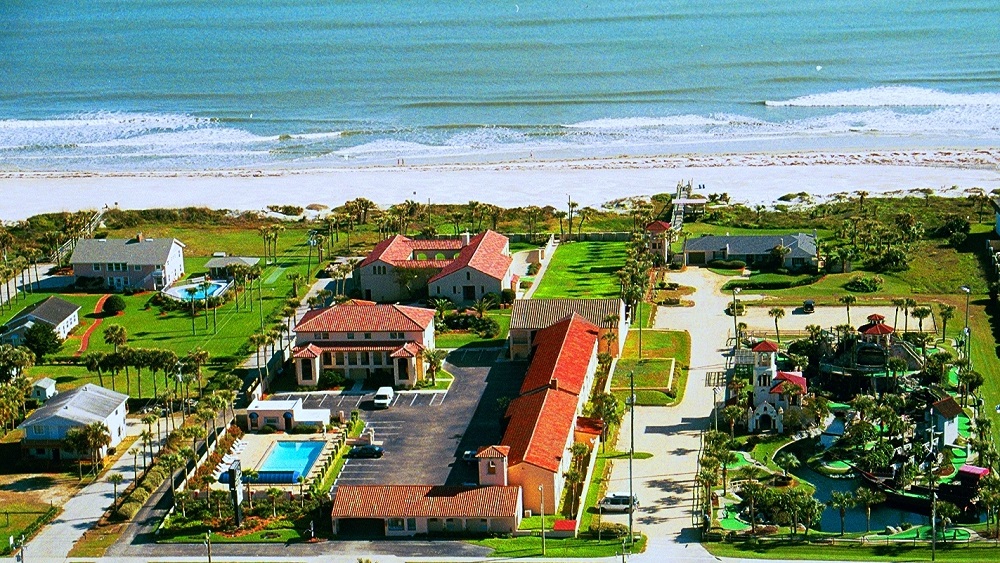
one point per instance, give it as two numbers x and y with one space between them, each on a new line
60 314
43 389
361 340
284 415
140 262
944 417
774 392
45 429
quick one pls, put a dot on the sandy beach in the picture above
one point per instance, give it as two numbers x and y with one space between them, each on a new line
752 178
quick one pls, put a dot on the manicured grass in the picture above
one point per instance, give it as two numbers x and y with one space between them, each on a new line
646 373
659 344
457 339
903 551
583 270
534 522
531 546
443 381
234 240
281 535
726 271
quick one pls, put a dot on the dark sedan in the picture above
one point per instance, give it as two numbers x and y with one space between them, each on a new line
365 451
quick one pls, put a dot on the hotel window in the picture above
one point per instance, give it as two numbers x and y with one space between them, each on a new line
327 358
326 336
468 275
364 358
340 358
368 336
350 336
454 289
137 267
374 270
377 358
411 524
439 290
317 335
97 267
352 358
395 524
491 469
272 420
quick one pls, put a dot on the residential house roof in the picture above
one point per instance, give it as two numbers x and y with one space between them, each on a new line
139 250
948 407
539 427
493 452
52 311
658 227
534 314
792 377
416 501
408 350
486 253
45 383
396 349
765 346
348 317
562 354
876 328
800 245
84 405
227 261
399 251
589 425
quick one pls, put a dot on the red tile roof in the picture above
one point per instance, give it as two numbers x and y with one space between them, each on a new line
493 452
414 501
765 346
948 408
539 428
408 350
589 425
390 250
307 351
366 318
658 226
438 244
793 377
398 251
486 253
875 317
562 352
876 329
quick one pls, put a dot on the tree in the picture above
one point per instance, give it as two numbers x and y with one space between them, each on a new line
842 501
869 498
752 492
947 512
908 304
811 511
483 304
969 381
115 479
42 340
777 313
848 300
434 359
115 335
726 458
607 407
573 478
898 303
731 414
195 359
250 476
786 461
946 312
274 494
75 441
707 478
295 278
114 305
920 313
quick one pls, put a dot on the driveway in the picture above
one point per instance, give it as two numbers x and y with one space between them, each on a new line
665 482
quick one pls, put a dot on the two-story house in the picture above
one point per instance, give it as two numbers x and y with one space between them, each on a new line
462 270
45 429
361 340
528 316
140 262
60 314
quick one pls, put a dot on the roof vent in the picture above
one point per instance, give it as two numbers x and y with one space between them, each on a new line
218 255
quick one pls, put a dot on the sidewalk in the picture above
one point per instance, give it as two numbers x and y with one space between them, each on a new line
550 251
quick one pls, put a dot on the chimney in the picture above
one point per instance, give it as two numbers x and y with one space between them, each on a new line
139 237
465 238
554 384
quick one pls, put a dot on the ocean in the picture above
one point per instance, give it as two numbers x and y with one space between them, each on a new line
116 85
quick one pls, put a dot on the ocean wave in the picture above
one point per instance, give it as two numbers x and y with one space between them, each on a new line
645 122
890 96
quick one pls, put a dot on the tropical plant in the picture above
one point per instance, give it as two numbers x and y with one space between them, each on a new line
776 313
434 359
869 498
731 414
848 300
842 501
920 313
786 461
115 479
274 494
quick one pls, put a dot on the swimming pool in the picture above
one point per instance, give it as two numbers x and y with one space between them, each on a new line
180 292
289 456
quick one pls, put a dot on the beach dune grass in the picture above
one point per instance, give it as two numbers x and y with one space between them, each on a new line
583 270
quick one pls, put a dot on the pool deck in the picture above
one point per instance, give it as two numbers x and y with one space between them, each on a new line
258 446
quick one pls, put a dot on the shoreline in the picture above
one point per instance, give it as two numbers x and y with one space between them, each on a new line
747 177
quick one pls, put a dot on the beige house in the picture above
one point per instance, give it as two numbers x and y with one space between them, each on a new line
407 510
361 340
462 269
528 316
284 415
140 262
542 422
659 235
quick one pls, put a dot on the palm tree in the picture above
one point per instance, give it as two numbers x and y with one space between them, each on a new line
98 437
777 313
607 407
483 304
76 441
752 492
786 461
898 303
295 278
573 478
869 498
250 476
848 300
274 494
195 359
726 458
434 359
707 478
842 501
115 335
908 304
134 452
115 479
731 414
946 312
191 292
896 366
94 361
920 313
258 340
182 499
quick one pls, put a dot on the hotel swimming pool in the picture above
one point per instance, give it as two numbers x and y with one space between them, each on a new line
286 461
180 293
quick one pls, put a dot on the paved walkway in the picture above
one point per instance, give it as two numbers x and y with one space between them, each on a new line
550 251
665 482
82 511
85 339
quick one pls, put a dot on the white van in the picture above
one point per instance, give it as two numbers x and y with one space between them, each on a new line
383 397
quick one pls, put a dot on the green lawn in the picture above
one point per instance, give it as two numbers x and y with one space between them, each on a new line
646 373
659 344
583 270
535 522
904 551
457 339
17 516
531 546
654 368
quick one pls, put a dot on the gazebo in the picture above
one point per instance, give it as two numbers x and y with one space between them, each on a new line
875 331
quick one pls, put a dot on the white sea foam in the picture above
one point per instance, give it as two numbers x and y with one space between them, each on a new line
634 122
890 96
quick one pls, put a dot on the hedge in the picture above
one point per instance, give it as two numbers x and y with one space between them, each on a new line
129 509
727 264
776 284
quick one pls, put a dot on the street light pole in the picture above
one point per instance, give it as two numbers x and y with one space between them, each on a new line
736 326
21 545
541 491
715 406
931 483
208 542
631 453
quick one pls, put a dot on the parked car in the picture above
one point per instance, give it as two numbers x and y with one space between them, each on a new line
366 451
618 502
469 456
383 397
808 306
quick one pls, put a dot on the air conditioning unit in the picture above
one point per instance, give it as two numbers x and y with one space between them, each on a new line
527 513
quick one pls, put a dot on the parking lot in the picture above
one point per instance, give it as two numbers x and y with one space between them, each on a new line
424 433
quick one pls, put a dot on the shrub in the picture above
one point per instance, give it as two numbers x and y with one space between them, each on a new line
533 268
114 305
330 379
775 284
289 210
139 495
507 296
486 327
608 529
128 510
865 284
741 308
268 429
304 429
727 264
956 239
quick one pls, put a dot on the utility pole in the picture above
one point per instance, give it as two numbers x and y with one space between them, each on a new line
541 491
631 453
715 406
208 542
736 325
